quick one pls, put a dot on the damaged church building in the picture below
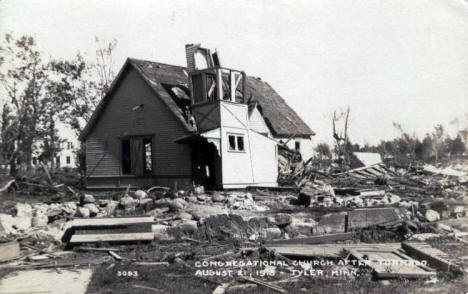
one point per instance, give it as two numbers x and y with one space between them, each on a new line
168 125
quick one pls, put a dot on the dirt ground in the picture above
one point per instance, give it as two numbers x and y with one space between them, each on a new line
170 265
176 278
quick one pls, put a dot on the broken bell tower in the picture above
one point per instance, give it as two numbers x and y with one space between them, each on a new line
226 154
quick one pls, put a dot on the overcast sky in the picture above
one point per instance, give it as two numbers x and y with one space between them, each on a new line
390 61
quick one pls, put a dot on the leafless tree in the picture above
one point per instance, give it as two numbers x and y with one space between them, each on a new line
341 137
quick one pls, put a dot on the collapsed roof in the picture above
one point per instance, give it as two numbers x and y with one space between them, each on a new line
170 82
281 118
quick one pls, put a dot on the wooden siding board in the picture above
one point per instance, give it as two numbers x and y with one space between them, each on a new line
119 119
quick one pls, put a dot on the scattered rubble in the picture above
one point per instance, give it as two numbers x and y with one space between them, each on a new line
364 213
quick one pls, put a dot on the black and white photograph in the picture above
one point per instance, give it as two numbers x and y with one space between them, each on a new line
233 147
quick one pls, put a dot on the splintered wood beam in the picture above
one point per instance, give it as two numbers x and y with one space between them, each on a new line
117 221
124 237
7 186
210 91
115 255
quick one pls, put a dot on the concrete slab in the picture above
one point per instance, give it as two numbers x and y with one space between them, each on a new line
46 281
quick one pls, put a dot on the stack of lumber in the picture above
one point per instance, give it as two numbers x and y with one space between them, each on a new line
109 230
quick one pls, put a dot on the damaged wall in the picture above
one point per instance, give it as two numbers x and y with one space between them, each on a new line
257 164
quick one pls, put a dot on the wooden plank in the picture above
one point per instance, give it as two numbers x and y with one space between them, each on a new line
377 259
125 237
96 249
115 255
86 262
151 263
423 251
9 251
314 239
148 288
111 221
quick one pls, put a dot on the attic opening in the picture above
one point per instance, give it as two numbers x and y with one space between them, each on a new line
179 94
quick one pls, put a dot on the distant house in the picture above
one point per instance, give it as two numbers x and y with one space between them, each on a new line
362 159
65 150
65 157
163 124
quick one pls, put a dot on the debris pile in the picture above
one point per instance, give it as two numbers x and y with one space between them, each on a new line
365 215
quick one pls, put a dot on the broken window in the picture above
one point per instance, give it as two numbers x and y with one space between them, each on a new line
240 143
236 143
232 142
148 145
34 160
137 156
